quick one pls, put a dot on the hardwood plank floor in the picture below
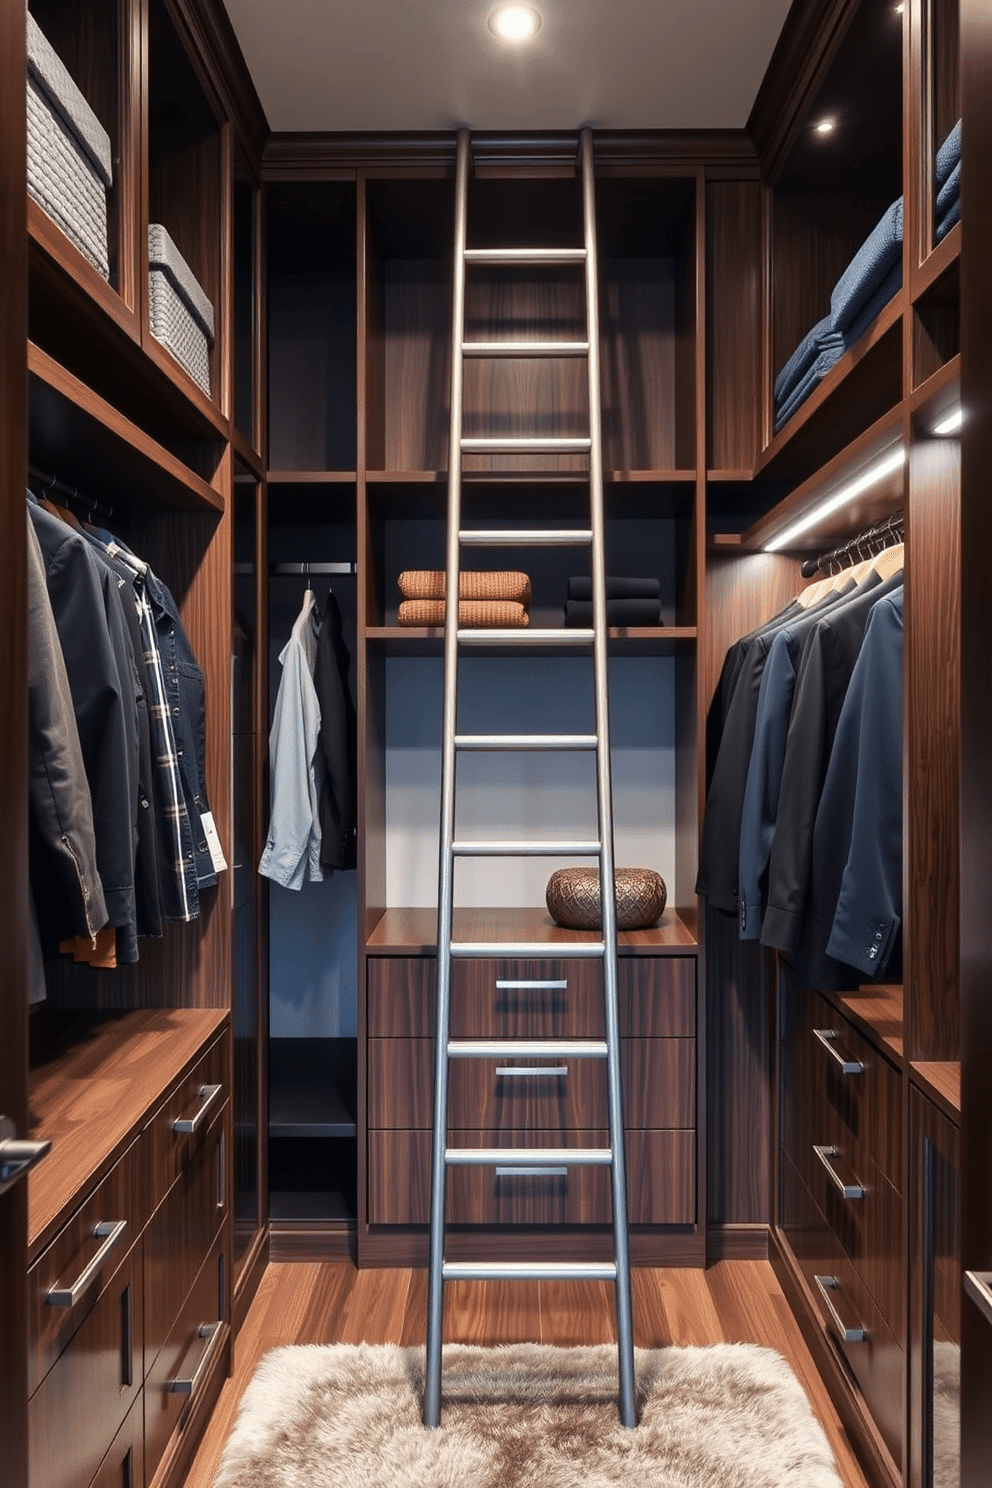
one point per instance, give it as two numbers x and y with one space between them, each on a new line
731 1301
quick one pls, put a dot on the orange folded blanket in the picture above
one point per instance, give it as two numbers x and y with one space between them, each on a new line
429 583
497 614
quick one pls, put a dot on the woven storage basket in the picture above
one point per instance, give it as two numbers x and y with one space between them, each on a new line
429 583
472 613
69 155
182 317
573 901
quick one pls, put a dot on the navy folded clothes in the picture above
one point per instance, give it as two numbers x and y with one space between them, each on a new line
948 156
580 587
872 308
618 612
815 375
868 269
946 222
815 341
949 192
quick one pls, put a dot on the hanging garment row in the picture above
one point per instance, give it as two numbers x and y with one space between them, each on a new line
802 838
312 749
121 832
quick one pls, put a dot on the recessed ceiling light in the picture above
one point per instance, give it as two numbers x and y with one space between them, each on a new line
824 126
514 22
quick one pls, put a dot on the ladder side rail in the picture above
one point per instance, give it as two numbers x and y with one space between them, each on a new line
435 1297
628 1408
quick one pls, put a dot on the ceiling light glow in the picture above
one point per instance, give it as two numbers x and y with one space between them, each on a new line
825 126
951 424
868 478
515 22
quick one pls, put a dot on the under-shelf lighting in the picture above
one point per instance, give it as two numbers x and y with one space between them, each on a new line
951 424
824 126
515 22
841 497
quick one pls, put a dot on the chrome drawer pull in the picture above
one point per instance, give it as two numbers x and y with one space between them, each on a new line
531 1172
530 1071
187 1125
110 1232
560 985
826 1285
978 1285
826 1037
846 1190
213 1332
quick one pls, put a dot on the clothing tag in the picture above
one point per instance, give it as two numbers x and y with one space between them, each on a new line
213 841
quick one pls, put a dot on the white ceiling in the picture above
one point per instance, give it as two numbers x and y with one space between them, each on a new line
433 64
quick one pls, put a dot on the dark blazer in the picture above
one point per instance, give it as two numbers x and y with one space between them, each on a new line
825 673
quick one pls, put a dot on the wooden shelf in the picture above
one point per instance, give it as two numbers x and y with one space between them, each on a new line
413 932
428 640
942 1083
89 1099
310 477
78 435
878 1012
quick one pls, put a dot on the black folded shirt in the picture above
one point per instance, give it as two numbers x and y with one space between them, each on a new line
618 612
580 587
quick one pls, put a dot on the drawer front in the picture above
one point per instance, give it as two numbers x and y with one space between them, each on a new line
537 999
658 1076
81 1403
192 1103
124 1464
661 1178
867 1103
868 1228
89 1250
188 1360
182 1231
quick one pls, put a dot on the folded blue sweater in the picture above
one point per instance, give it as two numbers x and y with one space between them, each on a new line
868 269
948 156
815 341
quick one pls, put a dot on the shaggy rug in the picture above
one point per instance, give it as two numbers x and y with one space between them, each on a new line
525 1416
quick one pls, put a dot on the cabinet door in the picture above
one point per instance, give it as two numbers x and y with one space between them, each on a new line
935 1449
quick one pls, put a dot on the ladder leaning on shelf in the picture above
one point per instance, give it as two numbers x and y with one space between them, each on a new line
527 1159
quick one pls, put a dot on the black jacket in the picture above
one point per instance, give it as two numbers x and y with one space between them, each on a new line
337 743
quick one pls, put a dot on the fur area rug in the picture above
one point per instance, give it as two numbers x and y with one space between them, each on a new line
525 1416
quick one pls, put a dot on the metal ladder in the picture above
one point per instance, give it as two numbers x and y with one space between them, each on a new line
528 1159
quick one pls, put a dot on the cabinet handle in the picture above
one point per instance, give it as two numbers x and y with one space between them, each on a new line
533 985
111 1233
212 1332
826 1285
827 1037
530 1071
978 1285
827 1156
531 1172
186 1125
17 1155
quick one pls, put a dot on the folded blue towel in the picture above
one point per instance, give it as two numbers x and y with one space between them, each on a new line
802 390
948 156
867 269
949 192
801 359
889 286
952 215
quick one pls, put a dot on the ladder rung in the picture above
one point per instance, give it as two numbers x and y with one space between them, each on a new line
528 1157
529 1271
527 445
525 741
525 635
525 950
526 849
525 348
526 1049
529 257
567 537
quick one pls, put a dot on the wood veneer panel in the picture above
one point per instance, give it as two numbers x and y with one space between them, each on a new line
733 325
412 931
933 701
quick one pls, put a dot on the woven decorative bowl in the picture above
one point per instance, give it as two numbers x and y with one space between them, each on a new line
572 896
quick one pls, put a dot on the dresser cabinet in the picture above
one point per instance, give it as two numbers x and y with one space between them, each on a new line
129 1248
517 1102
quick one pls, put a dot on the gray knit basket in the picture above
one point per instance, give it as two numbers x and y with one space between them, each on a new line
181 315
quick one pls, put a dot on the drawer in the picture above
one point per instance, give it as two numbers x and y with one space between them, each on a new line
658 1077
532 999
860 1088
191 1355
868 1228
661 1182
124 1464
82 1259
182 1231
179 1126
81 1403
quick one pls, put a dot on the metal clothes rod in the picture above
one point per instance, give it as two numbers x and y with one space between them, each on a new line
53 485
887 531
297 570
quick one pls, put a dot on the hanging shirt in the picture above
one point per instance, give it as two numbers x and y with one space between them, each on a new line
292 848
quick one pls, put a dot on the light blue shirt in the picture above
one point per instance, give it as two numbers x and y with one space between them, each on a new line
292 848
